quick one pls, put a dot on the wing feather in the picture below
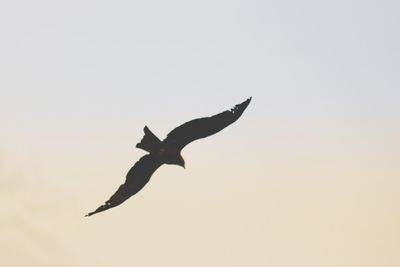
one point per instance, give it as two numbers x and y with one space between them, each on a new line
203 127
136 179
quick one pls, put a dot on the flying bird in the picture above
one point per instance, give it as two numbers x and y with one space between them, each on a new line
168 151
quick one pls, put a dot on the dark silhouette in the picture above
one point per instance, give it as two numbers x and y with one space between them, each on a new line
168 151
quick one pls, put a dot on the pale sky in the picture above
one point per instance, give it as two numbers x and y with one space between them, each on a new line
309 176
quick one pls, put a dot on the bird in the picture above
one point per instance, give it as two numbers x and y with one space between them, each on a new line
168 151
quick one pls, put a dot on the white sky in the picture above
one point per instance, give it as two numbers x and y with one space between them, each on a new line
309 176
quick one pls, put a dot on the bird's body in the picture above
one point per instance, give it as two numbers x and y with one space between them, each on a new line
168 151
170 155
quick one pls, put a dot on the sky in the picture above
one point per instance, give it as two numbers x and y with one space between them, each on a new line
308 176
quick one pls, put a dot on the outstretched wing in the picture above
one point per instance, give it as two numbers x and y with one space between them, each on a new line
136 179
203 127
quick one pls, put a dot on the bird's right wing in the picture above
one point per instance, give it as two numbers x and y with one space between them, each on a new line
203 127
136 179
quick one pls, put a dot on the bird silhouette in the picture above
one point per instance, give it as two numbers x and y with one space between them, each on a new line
168 151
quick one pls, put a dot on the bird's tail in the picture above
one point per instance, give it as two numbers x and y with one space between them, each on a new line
149 142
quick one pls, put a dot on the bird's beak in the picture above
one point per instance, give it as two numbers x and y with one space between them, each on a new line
181 162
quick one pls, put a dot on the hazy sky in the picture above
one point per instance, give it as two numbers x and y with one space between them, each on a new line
308 177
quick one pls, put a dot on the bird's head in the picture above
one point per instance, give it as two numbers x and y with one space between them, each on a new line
180 161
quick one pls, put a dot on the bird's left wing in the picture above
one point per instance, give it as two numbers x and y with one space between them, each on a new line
136 179
203 127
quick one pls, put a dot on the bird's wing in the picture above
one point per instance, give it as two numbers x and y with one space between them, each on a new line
203 127
136 179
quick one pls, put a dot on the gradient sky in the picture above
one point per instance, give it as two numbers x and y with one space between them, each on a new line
308 177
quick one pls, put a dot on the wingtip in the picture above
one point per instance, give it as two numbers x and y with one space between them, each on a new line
246 102
89 214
